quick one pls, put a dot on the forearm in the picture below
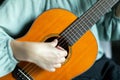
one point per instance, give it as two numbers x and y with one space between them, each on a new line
118 10
19 51
44 54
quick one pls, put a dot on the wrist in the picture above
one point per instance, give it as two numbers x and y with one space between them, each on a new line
19 51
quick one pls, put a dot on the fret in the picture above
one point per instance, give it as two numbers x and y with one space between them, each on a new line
97 15
100 11
82 30
111 3
62 41
107 4
65 38
79 26
92 11
78 30
104 9
69 35
87 20
83 24
73 31
71 39
91 19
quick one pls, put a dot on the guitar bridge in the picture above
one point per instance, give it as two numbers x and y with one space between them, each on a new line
20 74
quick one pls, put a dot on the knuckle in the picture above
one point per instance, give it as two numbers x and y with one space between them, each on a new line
58 60
52 70
64 53
63 59
57 65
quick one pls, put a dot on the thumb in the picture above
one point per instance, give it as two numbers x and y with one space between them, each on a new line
54 42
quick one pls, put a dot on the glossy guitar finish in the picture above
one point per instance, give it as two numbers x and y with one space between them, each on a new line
81 56
71 31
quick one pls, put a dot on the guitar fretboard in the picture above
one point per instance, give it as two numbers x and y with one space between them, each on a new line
87 20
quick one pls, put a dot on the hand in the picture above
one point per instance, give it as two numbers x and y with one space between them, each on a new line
46 55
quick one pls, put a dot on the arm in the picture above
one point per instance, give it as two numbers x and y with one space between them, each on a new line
46 55
10 22
14 14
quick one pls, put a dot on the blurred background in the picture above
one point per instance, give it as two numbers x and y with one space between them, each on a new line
112 50
1 1
116 51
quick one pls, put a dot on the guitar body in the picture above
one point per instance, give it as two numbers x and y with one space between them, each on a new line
82 54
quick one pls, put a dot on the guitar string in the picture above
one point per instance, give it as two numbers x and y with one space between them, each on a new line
31 72
76 26
73 27
31 69
28 64
84 23
91 17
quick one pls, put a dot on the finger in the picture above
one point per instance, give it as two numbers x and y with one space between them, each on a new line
62 53
60 48
49 68
52 70
62 60
57 65
54 42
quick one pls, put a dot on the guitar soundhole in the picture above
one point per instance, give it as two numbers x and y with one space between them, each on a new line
61 42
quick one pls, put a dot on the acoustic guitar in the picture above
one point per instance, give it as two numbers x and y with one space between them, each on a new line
73 34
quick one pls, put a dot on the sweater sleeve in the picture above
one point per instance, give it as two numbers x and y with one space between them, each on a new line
7 60
14 14
109 26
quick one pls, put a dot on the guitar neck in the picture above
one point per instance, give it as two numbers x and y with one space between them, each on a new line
87 20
